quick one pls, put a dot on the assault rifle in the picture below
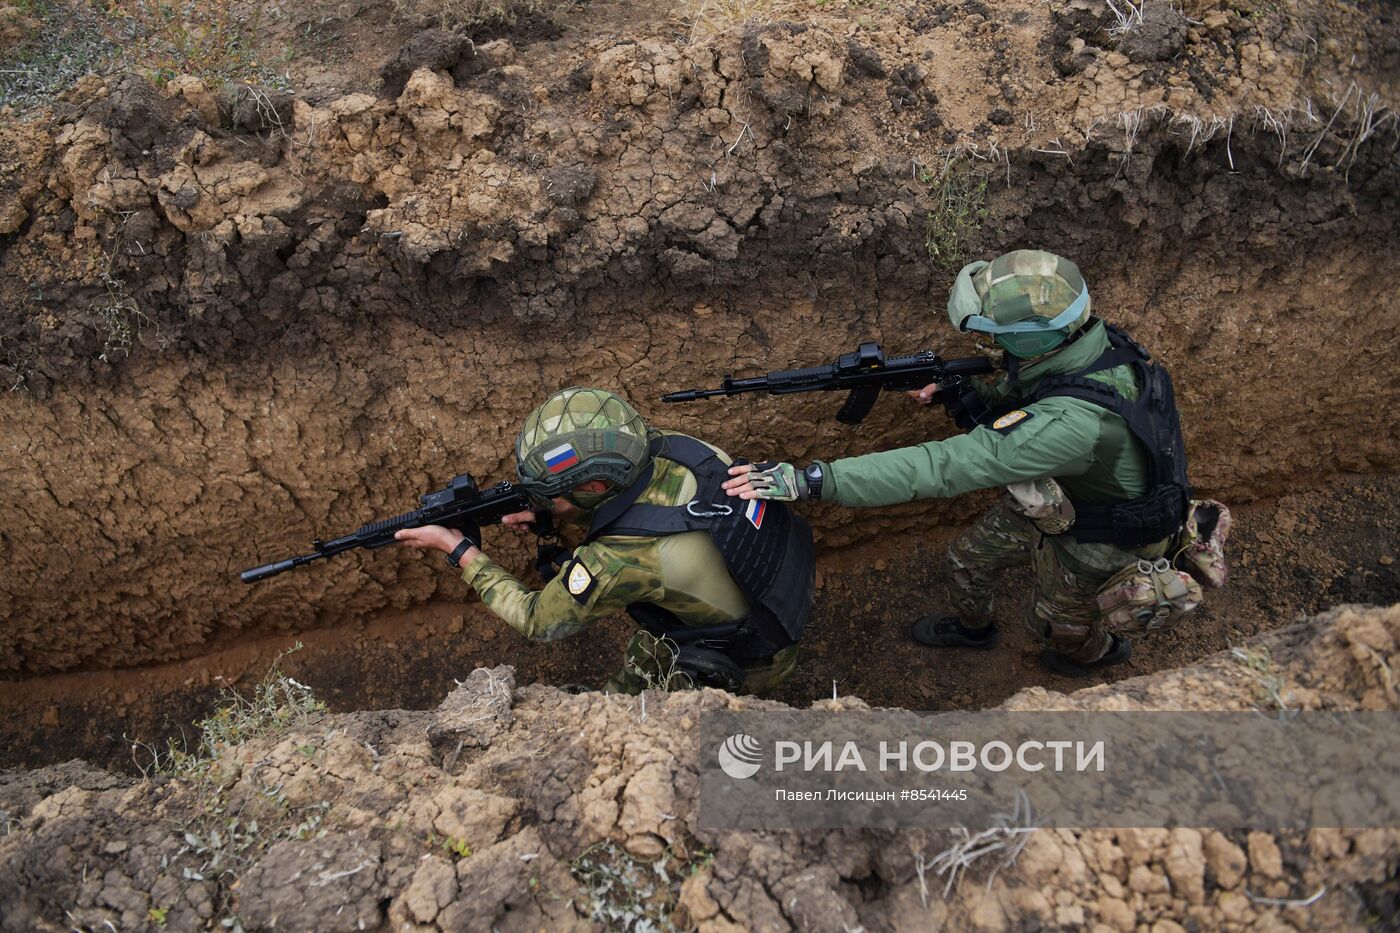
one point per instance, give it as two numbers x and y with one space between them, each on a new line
864 373
461 505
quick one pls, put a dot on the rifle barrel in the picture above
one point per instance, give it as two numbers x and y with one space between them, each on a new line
267 570
691 395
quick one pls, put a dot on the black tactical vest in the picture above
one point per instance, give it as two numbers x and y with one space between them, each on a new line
1155 422
766 547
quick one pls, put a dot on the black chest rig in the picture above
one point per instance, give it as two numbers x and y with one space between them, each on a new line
1155 422
766 548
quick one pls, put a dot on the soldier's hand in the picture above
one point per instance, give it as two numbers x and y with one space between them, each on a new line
925 396
436 538
766 480
563 510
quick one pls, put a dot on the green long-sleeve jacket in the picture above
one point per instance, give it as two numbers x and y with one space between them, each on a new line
683 573
1087 448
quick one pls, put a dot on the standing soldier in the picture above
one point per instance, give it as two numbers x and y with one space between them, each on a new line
1084 434
721 593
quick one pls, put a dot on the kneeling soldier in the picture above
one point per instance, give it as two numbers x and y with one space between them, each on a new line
722 593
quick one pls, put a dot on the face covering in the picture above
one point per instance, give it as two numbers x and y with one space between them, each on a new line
588 501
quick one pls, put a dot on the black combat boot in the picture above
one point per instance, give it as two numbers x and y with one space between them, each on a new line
1119 651
946 630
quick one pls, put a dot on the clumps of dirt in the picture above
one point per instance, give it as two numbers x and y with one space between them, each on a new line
518 808
1157 34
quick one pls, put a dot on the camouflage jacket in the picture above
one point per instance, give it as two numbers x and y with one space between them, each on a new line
683 573
1087 448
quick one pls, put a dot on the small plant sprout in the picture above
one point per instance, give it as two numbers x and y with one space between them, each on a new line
457 847
1127 17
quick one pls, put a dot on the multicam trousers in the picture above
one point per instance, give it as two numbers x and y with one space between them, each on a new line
1062 613
649 665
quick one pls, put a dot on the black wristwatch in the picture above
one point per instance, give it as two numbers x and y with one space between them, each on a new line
812 473
462 547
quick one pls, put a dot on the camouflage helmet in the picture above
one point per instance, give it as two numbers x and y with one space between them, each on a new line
579 435
1029 301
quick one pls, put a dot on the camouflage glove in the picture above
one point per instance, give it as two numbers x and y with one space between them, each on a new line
781 481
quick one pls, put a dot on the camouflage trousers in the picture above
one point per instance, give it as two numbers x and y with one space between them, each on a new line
649 664
1061 613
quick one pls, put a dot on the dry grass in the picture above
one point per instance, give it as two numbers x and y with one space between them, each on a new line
709 20
1126 18
998 846
217 40
470 16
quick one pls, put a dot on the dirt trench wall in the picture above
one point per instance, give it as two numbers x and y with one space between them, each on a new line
233 329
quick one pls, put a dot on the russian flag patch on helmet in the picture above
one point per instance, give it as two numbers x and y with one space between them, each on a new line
560 458
754 512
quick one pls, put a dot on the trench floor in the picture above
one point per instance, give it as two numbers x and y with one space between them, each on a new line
1301 553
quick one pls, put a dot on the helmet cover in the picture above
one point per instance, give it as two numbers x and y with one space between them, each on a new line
577 435
1030 301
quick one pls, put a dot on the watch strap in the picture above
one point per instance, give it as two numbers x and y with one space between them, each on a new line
462 547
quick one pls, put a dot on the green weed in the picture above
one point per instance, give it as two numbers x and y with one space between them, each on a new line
70 39
626 893
227 832
959 195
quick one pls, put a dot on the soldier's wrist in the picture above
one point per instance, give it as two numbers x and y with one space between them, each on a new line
472 563
460 551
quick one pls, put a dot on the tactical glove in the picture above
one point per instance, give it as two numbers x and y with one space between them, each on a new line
781 481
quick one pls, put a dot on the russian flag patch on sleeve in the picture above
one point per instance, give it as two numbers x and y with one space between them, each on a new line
754 512
560 458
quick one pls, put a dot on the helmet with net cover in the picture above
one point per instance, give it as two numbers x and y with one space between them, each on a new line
578 435
1029 301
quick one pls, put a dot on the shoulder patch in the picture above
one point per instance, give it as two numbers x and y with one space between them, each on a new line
579 580
1007 422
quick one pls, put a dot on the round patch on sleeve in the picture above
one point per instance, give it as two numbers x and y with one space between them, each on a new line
579 580
1010 418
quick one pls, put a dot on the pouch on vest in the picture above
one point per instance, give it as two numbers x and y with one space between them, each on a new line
1148 596
1202 546
1043 502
